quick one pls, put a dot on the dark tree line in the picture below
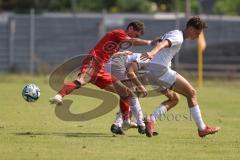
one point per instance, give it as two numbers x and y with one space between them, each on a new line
231 7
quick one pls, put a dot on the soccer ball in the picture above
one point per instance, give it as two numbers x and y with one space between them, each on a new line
31 92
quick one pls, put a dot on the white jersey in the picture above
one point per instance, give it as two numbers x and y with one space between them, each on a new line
165 55
117 66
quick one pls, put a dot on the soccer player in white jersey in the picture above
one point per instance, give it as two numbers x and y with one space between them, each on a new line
126 68
117 66
161 56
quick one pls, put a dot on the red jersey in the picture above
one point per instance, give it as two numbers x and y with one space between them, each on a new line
109 44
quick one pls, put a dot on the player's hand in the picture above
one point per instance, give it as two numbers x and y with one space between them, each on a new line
146 56
141 91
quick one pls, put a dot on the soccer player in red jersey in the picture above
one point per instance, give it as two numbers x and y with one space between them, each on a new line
92 67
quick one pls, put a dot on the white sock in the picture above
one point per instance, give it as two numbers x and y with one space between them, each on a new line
196 114
160 111
137 110
118 120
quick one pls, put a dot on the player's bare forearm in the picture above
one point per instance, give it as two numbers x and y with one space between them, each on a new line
140 90
159 46
132 69
139 42
131 73
134 79
156 49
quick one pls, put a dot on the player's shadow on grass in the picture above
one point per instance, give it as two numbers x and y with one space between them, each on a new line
73 135
76 134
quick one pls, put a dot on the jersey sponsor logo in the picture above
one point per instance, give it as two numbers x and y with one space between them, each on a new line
111 47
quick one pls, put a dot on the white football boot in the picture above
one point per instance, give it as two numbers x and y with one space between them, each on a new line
58 100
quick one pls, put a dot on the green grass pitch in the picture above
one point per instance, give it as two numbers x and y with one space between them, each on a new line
33 131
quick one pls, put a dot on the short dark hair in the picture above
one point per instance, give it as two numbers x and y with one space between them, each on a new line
137 26
197 23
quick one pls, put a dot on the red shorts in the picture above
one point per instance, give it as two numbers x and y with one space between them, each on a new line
94 68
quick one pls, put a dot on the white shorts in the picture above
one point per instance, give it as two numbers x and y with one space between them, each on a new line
162 80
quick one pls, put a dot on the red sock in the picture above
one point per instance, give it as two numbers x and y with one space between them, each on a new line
68 88
125 109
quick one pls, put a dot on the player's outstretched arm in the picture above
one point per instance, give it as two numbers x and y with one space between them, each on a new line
131 73
162 44
138 41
